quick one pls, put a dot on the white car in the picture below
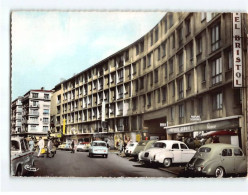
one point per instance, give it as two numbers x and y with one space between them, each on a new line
167 152
22 158
83 146
130 148
98 148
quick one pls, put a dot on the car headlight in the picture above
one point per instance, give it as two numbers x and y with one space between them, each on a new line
200 168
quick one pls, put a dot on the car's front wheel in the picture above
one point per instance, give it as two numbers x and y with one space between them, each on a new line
167 162
219 172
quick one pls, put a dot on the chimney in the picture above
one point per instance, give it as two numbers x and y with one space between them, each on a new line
42 88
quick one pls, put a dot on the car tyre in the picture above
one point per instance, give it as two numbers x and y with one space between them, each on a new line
167 162
106 156
219 172
19 171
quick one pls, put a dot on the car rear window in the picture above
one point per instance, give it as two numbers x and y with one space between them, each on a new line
142 143
205 149
159 145
99 144
15 145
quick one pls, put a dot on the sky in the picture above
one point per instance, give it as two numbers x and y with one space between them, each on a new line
50 46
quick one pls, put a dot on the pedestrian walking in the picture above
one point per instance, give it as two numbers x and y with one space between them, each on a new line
49 147
41 145
31 144
72 146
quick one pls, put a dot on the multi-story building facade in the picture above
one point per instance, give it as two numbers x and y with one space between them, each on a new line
36 112
16 115
178 72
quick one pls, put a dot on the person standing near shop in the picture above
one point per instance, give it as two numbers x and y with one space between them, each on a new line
41 145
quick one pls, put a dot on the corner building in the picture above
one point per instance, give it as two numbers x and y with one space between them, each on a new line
182 68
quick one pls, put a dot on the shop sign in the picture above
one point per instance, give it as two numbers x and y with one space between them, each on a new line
237 51
195 118
164 124
183 129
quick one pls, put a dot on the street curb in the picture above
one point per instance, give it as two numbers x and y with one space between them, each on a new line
169 171
162 169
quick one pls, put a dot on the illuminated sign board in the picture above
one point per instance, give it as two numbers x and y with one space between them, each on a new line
237 51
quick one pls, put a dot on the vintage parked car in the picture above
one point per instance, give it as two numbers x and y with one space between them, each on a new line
22 158
62 146
141 146
98 148
167 152
65 146
217 160
83 146
130 148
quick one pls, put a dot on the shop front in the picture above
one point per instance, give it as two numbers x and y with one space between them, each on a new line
220 130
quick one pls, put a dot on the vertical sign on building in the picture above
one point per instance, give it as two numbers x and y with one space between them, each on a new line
237 51
63 126
103 110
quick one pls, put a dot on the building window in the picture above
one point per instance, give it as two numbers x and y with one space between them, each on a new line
215 37
149 59
164 92
151 38
158 53
134 69
180 36
172 113
149 100
141 82
165 25
156 75
230 60
203 73
156 35
216 71
191 52
173 40
217 101
45 128
46 96
170 20
180 62
144 63
45 111
200 106
158 95
203 16
45 120
142 46
173 89
171 66
199 45
151 78
188 81
165 70
188 30
144 100
34 95
163 49
137 49
180 88
181 112
136 85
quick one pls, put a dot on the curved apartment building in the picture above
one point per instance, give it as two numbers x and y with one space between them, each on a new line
175 81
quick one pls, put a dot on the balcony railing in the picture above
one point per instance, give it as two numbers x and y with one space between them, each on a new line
33 122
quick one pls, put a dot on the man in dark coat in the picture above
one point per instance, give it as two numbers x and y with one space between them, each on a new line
72 146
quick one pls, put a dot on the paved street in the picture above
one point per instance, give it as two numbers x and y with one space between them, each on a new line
80 165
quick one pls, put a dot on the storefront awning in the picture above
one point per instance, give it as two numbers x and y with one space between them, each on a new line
231 122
